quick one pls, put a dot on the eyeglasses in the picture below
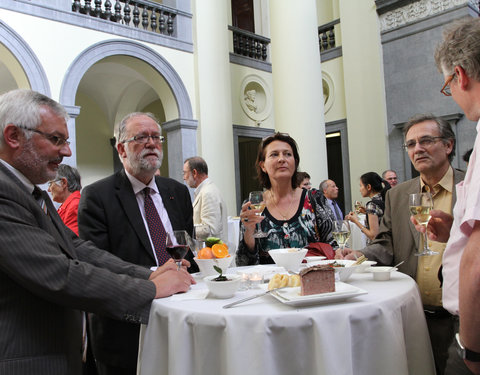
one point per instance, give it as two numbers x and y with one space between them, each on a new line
143 139
49 183
56 140
425 142
446 87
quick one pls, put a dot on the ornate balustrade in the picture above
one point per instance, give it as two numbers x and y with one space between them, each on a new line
249 44
152 16
326 35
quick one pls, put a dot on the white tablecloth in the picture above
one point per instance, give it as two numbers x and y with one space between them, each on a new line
382 332
358 240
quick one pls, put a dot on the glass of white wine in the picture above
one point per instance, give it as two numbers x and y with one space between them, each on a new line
357 207
257 203
341 232
420 206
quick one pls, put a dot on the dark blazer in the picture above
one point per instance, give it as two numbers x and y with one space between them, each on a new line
398 239
109 216
47 276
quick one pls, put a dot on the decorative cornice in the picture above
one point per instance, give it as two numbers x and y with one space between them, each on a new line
419 10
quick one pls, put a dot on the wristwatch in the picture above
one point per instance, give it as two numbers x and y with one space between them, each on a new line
466 353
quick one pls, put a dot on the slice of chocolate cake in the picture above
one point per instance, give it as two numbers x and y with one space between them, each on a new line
317 279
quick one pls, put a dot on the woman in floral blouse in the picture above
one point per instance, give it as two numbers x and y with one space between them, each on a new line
292 217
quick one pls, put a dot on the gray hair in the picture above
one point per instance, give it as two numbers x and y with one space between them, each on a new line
388 170
198 163
323 185
460 47
120 129
22 108
71 175
444 128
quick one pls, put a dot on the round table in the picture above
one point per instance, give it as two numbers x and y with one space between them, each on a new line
381 332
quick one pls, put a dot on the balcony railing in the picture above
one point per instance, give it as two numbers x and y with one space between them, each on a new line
152 16
249 44
326 35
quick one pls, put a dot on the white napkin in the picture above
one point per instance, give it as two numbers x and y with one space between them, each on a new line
190 295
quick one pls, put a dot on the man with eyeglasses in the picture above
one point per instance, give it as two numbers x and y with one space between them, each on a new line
458 59
391 177
115 213
47 274
430 144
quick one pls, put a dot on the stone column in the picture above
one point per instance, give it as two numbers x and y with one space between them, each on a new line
214 103
297 81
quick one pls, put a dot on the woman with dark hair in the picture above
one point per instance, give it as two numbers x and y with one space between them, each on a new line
374 187
291 217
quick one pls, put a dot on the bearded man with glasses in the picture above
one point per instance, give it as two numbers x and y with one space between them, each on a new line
430 144
114 214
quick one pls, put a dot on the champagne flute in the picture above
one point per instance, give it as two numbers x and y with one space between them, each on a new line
420 206
358 205
178 244
257 203
341 232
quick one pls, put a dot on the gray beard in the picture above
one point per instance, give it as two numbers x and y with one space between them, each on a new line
140 165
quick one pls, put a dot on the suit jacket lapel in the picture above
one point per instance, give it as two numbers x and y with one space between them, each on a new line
168 198
52 224
127 199
59 233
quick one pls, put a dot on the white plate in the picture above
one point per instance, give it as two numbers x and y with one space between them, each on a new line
292 297
315 258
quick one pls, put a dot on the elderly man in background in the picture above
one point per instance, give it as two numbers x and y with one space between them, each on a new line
128 214
209 208
65 189
47 274
391 177
430 144
330 191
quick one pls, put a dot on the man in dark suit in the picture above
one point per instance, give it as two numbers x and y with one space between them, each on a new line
47 274
112 215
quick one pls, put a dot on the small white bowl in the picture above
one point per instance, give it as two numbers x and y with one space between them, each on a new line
362 267
343 273
223 289
290 259
206 265
381 273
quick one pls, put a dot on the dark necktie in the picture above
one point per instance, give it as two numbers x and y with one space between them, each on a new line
158 234
39 197
338 213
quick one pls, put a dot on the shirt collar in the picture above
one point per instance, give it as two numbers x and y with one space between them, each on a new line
446 182
199 187
19 175
138 185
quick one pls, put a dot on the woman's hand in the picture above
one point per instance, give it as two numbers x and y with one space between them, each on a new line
352 216
249 218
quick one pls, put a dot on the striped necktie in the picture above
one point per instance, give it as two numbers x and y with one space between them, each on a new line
158 234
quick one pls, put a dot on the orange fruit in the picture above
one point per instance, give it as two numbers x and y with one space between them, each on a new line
205 253
220 250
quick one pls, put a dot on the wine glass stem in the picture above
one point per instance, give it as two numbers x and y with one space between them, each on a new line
425 241
179 265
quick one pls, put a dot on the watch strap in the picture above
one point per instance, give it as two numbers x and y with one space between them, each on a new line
467 354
